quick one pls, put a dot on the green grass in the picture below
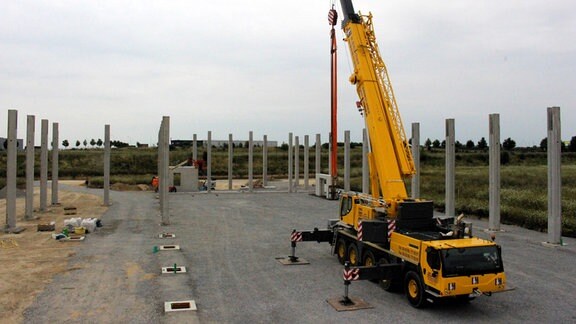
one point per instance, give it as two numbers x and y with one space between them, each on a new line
523 196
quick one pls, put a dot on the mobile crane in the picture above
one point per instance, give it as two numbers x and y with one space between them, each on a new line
385 235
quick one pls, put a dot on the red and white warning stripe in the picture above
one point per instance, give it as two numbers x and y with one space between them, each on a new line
351 274
391 227
296 237
360 231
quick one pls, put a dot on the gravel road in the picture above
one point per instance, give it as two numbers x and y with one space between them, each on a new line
229 244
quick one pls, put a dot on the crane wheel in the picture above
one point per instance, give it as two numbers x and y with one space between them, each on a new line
341 251
390 285
369 259
414 290
353 255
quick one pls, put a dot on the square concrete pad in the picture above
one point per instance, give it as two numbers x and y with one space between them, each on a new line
358 303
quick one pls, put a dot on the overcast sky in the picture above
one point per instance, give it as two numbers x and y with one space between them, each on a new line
261 65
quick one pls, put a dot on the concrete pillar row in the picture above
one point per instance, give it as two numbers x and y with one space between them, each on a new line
194 147
55 144
450 168
296 163
30 134
347 160
159 163
494 173
106 165
250 162
209 162
306 162
330 153
290 161
554 176
43 165
11 170
265 162
164 149
365 168
230 160
415 187
318 157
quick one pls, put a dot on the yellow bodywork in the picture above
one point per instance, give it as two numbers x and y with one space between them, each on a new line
390 157
356 206
414 251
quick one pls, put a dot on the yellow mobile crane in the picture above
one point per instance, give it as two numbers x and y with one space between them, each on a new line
386 235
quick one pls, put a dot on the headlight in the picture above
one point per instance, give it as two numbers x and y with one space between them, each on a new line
451 286
498 281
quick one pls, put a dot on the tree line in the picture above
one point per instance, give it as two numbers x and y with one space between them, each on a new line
94 143
508 145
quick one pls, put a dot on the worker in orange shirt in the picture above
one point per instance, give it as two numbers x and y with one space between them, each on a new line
155 183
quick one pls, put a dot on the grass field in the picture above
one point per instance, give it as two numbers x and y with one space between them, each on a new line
524 197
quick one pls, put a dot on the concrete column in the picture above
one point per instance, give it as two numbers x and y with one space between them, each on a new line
330 154
290 160
165 151
11 165
209 162
160 161
30 134
250 162
450 168
347 160
318 157
194 148
415 187
306 162
44 165
296 163
365 169
230 160
494 173
265 162
55 139
106 165
554 177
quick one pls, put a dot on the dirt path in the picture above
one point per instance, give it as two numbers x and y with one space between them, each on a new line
115 274
31 259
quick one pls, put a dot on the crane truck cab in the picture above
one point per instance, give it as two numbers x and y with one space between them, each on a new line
461 268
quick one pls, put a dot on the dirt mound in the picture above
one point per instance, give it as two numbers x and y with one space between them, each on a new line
144 187
19 193
30 259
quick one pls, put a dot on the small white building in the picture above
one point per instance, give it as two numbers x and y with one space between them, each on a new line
184 178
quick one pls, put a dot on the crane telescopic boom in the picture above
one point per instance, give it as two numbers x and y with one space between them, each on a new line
390 156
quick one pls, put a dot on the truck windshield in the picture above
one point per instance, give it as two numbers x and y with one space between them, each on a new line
471 261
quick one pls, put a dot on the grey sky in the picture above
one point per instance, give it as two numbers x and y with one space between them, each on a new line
235 66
